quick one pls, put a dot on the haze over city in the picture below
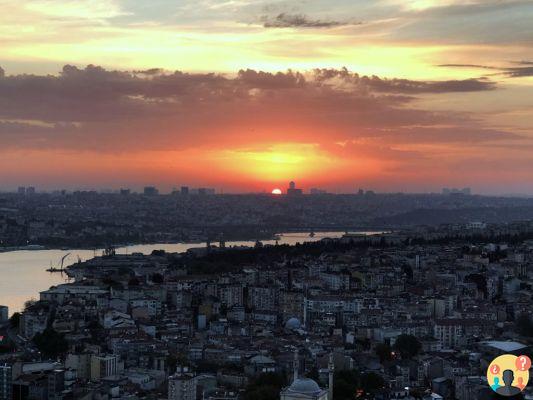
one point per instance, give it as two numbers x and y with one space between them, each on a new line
245 96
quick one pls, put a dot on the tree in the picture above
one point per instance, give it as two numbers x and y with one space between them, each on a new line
29 304
265 387
372 382
524 325
313 374
345 384
14 321
480 281
383 351
51 343
173 360
6 346
407 345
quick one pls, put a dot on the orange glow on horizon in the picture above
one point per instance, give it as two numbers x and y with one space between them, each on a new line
234 169
277 162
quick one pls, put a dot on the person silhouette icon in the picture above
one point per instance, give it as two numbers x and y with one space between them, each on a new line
508 389
496 383
520 385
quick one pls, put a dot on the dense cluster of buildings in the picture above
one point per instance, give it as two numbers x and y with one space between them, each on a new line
151 326
87 219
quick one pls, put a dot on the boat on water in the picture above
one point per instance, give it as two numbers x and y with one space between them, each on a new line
312 234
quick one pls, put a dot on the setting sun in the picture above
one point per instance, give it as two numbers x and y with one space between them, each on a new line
276 191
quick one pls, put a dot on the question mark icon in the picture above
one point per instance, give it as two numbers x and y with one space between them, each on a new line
523 363
495 369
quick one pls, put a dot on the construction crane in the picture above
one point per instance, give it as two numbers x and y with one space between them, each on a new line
60 269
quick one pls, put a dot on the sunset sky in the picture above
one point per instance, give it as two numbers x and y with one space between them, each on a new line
245 95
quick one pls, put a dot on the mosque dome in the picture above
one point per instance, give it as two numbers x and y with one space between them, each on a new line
305 386
293 323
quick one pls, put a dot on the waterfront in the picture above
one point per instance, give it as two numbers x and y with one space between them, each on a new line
24 272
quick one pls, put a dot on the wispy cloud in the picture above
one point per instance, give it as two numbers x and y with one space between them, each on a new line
285 20
404 86
467 66
524 70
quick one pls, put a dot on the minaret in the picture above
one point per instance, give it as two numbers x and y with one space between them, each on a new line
305 306
296 365
331 369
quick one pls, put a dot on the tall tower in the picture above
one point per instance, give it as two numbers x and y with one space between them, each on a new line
295 366
6 376
305 307
331 370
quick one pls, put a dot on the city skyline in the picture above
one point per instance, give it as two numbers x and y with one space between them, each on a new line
244 96
189 190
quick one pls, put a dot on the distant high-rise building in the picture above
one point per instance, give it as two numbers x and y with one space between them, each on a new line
30 190
4 314
184 190
125 192
151 191
6 382
182 385
292 190
360 192
21 190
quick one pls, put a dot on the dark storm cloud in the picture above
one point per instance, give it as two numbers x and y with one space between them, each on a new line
118 110
286 20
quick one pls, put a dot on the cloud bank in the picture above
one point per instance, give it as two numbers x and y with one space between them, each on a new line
178 109
339 117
